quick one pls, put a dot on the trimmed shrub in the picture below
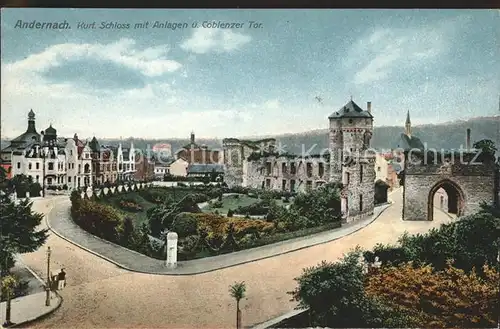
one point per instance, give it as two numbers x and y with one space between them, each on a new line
184 224
98 219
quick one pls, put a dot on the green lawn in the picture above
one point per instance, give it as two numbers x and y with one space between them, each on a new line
140 217
233 202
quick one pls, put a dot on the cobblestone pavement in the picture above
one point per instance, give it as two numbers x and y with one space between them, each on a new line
100 295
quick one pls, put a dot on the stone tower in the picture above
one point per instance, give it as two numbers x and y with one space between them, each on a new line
351 160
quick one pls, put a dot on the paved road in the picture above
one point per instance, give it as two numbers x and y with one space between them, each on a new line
100 295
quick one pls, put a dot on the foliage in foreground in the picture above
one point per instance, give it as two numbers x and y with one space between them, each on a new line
335 296
444 278
439 299
19 230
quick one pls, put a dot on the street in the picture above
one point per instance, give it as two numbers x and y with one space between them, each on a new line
100 295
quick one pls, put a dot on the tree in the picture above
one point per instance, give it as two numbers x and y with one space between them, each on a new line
127 231
485 145
335 296
487 148
471 241
238 292
450 298
19 232
22 184
9 282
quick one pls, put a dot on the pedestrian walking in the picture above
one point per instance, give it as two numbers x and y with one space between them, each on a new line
61 280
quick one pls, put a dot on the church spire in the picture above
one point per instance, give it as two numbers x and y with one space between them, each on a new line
408 125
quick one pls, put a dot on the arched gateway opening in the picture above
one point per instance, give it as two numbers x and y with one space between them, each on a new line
445 196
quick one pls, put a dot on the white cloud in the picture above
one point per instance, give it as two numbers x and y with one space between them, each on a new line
150 62
272 104
203 41
377 55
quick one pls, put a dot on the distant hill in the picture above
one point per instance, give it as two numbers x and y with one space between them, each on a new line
438 136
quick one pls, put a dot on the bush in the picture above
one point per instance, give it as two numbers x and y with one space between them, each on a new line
98 219
199 197
230 213
471 241
130 206
257 209
351 307
320 206
217 204
184 224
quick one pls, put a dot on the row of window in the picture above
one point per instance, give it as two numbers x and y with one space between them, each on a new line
293 169
284 185
60 166
60 180
112 167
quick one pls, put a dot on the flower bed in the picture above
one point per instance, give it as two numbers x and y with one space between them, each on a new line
130 206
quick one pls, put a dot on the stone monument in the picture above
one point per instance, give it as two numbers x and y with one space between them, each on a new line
171 250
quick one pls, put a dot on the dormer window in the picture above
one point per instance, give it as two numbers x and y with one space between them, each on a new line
350 120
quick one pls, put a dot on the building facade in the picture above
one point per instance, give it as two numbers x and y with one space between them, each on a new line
104 164
145 167
48 159
351 162
125 162
198 154
178 167
78 163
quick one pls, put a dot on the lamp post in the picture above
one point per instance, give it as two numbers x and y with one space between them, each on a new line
47 287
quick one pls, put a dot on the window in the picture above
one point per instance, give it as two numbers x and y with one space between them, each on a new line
49 180
361 173
29 166
69 179
283 185
86 155
309 185
378 168
360 202
283 168
79 168
37 165
70 152
321 169
19 165
51 165
292 185
37 178
347 178
268 168
309 169
268 183
293 168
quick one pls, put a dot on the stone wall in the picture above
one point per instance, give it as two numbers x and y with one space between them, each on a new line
475 184
359 189
235 154
275 170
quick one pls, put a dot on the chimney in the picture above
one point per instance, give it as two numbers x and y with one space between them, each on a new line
467 140
369 107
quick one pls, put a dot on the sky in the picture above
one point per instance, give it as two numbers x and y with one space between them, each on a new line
441 65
